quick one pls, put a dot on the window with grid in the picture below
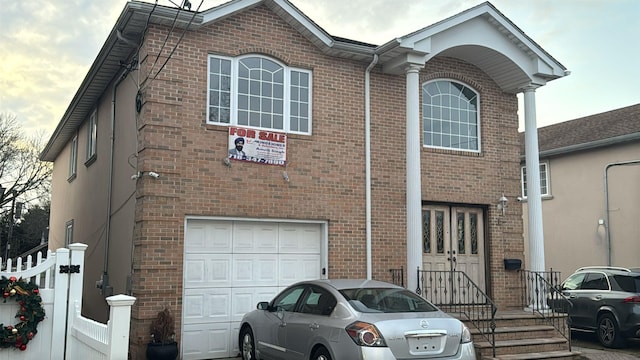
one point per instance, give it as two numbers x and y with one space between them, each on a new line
450 116
544 180
257 91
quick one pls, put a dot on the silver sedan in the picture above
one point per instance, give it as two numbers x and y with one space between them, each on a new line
349 320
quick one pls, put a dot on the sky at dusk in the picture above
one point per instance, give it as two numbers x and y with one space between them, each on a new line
47 47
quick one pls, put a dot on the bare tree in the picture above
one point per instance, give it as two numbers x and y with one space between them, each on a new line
22 174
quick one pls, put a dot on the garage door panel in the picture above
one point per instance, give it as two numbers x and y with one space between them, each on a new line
255 237
246 299
233 339
208 237
255 270
299 238
204 270
296 267
207 341
230 266
207 305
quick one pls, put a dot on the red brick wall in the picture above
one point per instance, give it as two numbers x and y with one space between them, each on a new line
326 169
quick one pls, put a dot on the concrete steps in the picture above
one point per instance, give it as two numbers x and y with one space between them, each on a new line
522 335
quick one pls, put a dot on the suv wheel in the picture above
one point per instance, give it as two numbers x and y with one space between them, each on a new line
608 332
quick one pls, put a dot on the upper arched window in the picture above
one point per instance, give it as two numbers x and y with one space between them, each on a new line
257 91
450 116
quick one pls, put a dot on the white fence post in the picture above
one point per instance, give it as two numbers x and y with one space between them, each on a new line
61 283
75 287
76 281
119 321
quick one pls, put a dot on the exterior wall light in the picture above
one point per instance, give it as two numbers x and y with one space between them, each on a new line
502 204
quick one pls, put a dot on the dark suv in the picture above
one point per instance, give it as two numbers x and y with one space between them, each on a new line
605 300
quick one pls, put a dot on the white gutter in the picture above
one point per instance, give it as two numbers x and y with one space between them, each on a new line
367 149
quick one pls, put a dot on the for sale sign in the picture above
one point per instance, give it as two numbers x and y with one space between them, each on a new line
258 146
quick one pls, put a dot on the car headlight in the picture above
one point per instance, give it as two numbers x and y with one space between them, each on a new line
466 335
365 334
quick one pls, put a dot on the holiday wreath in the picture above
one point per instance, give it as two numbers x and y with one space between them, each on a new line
30 312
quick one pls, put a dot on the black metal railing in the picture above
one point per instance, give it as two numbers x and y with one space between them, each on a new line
455 293
542 294
397 276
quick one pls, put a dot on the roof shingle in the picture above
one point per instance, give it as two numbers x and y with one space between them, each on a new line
593 129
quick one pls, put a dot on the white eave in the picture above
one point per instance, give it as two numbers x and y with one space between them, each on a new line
485 38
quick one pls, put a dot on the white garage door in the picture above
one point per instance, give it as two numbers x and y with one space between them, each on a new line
229 266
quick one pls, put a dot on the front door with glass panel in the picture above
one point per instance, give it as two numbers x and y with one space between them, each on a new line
453 240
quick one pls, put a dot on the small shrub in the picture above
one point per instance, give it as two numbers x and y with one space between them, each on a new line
163 327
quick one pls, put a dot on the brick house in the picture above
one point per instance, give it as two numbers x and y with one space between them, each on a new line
380 157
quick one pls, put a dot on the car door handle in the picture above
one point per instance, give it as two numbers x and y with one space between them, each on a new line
598 297
572 297
314 326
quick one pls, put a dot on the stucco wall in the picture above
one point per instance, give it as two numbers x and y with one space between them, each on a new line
84 199
573 236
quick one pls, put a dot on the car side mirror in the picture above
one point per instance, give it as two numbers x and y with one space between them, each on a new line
263 305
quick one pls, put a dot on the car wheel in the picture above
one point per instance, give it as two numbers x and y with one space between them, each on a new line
247 344
321 354
608 332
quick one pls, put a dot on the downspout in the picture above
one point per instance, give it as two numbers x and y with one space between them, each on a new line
367 147
105 287
606 202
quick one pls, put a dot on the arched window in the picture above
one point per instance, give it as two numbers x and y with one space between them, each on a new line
257 91
450 116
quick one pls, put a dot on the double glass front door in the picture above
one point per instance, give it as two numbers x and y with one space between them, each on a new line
453 240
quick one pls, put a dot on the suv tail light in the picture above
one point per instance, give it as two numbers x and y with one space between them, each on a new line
631 299
365 334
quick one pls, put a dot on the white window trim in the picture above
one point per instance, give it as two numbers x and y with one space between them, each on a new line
477 111
234 94
68 233
73 158
92 136
547 180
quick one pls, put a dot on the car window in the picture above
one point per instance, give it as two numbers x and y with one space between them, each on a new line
628 283
573 282
318 301
595 281
386 300
287 299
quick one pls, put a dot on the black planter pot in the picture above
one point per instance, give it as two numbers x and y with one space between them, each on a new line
162 351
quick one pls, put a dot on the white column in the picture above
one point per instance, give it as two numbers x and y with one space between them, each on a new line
414 192
534 201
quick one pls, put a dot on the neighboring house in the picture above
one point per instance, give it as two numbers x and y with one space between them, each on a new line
590 171
373 158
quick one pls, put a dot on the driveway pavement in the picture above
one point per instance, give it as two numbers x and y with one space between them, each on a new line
587 343
597 354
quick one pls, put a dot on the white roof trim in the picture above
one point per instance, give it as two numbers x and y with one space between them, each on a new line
227 9
305 21
233 7
546 65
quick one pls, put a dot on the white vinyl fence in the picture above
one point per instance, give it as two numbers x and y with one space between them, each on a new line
64 333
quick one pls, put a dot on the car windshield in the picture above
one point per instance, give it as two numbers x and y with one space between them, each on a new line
386 300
